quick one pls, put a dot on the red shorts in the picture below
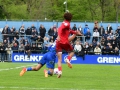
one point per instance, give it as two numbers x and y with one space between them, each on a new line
67 47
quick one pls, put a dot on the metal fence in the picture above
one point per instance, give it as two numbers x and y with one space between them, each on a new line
7 57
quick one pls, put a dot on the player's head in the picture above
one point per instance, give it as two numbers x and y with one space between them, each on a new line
68 16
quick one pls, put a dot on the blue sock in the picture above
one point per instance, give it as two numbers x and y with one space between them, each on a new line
49 73
29 69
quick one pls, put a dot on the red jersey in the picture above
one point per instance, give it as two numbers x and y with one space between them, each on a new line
64 32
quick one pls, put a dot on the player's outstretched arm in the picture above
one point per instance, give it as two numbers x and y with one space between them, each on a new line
72 37
75 33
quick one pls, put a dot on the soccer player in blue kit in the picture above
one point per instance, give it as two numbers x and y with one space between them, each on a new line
48 59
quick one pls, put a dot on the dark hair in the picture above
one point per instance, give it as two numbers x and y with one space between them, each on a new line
68 16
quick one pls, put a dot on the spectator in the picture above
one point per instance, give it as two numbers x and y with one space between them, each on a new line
40 39
40 47
85 49
26 42
34 35
55 35
21 48
8 49
107 48
80 29
94 43
97 50
16 34
101 31
77 48
99 45
15 48
114 42
86 44
110 35
108 41
109 28
22 40
85 29
51 31
96 26
8 41
15 41
28 33
46 44
51 39
11 36
116 51
119 44
87 36
104 50
5 43
22 30
105 35
91 50
95 35
118 31
34 49
33 27
3 52
54 26
111 50
42 31
5 32
116 35
74 27
28 50
14 29
102 41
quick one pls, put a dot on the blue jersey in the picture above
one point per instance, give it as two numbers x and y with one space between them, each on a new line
49 57
52 48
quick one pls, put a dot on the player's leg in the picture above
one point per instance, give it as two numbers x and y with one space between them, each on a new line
68 47
70 55
59 55
50 71
36 68
50 64
70 50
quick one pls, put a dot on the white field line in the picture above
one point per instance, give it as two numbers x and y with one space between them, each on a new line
15 67
32 88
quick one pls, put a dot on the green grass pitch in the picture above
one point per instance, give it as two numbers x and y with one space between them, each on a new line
80 77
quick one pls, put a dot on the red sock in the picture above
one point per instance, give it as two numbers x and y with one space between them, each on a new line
69 58
60 68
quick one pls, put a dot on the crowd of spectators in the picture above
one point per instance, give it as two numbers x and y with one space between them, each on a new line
100 40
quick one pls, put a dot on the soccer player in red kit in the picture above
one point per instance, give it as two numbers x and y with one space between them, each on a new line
63 42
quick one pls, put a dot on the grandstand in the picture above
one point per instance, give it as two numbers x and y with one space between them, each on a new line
47 26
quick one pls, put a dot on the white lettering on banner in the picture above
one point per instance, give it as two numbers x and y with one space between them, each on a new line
25 58
108 60
72 59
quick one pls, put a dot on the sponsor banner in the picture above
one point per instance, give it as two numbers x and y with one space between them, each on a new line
89 59
16 57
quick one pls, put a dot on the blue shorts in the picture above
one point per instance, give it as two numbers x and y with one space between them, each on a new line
48 59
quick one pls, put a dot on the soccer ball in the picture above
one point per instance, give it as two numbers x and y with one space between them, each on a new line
55 71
